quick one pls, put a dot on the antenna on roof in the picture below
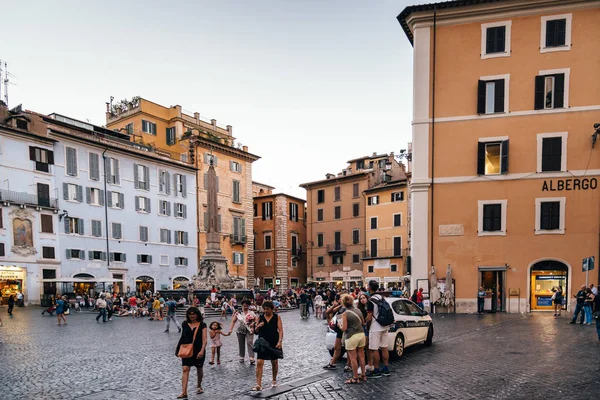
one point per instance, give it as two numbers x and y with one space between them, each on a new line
5 83
0 79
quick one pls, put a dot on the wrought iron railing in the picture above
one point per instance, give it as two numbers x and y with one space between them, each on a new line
9 196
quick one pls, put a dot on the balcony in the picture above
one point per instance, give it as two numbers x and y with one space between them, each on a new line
297 253
380 253
26 199
237 239
336 248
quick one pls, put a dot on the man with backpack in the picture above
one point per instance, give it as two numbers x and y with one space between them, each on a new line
171 305
380 317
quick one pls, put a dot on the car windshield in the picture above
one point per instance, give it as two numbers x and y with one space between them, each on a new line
412 308
398 307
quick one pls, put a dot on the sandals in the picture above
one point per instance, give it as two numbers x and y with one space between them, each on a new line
199 390
352 381
274 384
211 363
347 369
329 366
362 378
182 396
256 389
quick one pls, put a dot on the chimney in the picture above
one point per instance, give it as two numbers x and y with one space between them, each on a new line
245 148
197 117
214 123
230 129
374 154
392 155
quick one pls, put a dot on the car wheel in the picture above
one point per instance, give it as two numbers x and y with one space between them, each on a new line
342 352
399 345
429 340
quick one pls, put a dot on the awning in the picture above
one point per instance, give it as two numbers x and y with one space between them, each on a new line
80 280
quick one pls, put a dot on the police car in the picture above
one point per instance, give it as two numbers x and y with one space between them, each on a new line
412 325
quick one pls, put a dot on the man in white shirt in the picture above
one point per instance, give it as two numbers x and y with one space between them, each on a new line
594 289
378 335
101 304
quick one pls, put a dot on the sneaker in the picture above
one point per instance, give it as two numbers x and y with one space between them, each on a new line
385 371
572 322
375 374
166 331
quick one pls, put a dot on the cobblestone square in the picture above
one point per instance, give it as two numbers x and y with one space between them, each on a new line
496 356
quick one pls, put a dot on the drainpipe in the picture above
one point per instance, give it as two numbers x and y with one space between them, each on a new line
106 209
433 135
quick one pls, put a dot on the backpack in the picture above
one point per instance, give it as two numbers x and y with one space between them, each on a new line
385 315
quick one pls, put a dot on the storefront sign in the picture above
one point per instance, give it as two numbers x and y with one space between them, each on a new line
569 184
544 301
10 275
278 281
548 277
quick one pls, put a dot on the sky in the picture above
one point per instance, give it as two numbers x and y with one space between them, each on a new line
306 84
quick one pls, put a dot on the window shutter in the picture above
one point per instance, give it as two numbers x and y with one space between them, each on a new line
101 197
167 183
499 96
66 222
88 195
116 172
109 198
185 238
168 203
183 186
32 153
79 193
231 165
168 236
243 228
219 226
161 181
241 258
68 254
137 203
206 221
205 181
103 256
149 259
561 32
264 206
94 166
146 178
136 178
139 258
112 256
107 169
65 191
147 200
539 92
50 157
480 158
290 212
80 224
114 230
559 90
185 261
504 159
123 257
217 184
206 158
240 168
481 97
121 200
90 255
215 161
184 210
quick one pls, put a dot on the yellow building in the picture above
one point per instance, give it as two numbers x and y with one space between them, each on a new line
515 219
386 234
171 132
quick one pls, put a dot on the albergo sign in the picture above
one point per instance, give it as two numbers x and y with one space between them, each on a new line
570 184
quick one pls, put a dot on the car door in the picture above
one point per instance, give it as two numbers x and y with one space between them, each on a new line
419 326
406 320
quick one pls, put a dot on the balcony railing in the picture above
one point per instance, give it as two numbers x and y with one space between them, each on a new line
336 248
237 239
297 252
381 253
23 198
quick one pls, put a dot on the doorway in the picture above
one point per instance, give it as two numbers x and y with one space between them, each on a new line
268 283
545 277
493 285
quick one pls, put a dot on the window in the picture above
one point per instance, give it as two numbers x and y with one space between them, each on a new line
320 261
267 210
370 269
295 250
112 171
142 204
143 234
48 252
355 209
320 215
164 259
337 259
552 152
22 124
117 230
96 228
43 158
2 223
373 222
116 200
47 223
43 195
75 253
294 263
355 190
96 255
373 247
165 236
556 33
397 220
360 164
74 225
268 241
268 262
118 257
337 193
144 259
181 237
239 229
337 212
372 200
164 182
255 210
235 166
492 94
320 239
492 156
355 258
2 251
141 176
321 196
181 261
294 212
164 208
129 128
550 215
495 39
181 185
337 239
71 161
355 236
236 191
94 196
397 246
180 210
72 192
171 139
148 127
397 196
491 217
94 167
552 89
210 157
238 258
394 268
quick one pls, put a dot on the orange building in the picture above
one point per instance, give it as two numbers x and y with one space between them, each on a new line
279 239
170 132
515 219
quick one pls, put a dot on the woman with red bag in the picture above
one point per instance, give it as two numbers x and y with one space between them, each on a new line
192 348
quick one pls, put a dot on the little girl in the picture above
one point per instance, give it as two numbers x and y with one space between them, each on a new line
216 330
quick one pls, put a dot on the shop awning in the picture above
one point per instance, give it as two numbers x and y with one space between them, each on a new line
81 280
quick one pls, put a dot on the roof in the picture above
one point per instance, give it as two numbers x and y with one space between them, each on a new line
262 185
334 179
367 157
387 185
289 196
435 6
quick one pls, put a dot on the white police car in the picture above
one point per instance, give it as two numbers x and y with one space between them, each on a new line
412 326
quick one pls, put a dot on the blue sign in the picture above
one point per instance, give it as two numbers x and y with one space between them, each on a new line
587 264
544 301
548 277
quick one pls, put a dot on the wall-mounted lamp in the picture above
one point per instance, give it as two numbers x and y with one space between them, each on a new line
596 133
63 214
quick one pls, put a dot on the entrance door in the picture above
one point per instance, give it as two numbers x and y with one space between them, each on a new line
545 277
493 284
268 283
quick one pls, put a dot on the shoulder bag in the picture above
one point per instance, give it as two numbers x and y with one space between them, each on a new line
187 350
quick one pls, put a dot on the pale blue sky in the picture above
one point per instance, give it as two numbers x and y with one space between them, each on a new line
306 84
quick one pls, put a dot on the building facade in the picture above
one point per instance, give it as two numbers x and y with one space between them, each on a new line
200 141
518 219
336 208
280 239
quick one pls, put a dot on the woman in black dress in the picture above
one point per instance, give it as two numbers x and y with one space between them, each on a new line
268 327
193 321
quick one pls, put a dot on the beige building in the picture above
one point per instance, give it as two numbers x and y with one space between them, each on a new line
517 220
336 208
172 133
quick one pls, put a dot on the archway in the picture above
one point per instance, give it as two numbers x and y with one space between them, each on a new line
180 283
544 276
84 283
144 284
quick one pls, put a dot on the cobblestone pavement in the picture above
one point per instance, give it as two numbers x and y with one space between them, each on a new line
493 357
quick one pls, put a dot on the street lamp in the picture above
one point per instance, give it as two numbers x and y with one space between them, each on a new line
404 154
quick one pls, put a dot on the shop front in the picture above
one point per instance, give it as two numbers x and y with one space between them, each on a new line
144 284
545 277
180 283
493 281
12 281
